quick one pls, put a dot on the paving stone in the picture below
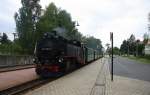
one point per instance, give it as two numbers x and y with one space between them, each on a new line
79 82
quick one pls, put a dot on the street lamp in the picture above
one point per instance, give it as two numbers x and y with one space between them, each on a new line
74 28
77 24
15 35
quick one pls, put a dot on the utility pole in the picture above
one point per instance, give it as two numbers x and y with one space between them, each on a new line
111 38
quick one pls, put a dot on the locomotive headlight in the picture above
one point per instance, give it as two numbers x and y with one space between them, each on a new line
60 60
34 60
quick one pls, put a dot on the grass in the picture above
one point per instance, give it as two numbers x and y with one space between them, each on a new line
141 59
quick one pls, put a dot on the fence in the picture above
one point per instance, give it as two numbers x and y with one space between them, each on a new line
8 60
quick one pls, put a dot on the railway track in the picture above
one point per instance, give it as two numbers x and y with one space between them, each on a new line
31 85
15 67
23 88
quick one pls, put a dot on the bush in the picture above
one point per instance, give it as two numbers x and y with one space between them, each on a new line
12 49
147 57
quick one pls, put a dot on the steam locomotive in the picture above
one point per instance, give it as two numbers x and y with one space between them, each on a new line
56 55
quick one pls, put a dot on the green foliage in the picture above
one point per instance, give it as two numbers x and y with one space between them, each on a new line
54 17
124 47
94 43
132 46
145 38
5 44
142 59
140 48
128 46
146 57
31 26
116 50
26 19
11 48
4 39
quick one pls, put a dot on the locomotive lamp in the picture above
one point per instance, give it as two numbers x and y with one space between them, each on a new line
60 60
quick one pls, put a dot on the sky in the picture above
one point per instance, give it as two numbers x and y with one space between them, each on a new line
96 17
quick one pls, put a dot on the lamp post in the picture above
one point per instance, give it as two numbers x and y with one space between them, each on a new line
111 38
74 28
15 35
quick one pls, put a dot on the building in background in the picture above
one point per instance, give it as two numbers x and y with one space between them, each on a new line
147 36
147 48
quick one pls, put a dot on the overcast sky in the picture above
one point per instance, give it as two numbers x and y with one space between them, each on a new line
96 17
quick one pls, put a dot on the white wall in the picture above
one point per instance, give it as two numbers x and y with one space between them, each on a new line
147 49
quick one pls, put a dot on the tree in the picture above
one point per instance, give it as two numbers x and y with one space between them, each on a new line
124 47
129 46
94 43
132 38
132 45
26 19
116 50
55 17
48 20
65 21
145 38
139 48
78 36
4 39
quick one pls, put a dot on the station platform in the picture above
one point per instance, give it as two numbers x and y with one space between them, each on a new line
92 79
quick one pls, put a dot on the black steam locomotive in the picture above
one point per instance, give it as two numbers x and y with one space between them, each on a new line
55 55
